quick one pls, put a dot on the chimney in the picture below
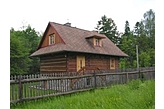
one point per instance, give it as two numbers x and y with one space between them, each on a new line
68 24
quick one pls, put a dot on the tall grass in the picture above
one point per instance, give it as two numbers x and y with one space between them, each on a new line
133 95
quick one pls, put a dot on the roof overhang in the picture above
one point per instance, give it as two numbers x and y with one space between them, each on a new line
95 36
77 52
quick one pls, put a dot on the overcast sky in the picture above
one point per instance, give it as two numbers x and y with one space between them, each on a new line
82 14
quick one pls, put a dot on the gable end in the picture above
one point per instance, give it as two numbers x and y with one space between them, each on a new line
47 39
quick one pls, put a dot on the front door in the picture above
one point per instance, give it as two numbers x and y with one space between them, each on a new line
80 62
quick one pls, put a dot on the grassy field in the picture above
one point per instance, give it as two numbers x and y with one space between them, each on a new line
133 95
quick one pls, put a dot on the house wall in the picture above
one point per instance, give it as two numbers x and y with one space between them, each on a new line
71 62
46 40
91 60
67 62
53 63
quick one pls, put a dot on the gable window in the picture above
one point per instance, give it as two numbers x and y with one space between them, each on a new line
51 39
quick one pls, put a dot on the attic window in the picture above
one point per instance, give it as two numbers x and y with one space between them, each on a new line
97 42
51 39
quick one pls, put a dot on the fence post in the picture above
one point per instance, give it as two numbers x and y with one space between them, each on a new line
20 88
140 76
127 78
95 79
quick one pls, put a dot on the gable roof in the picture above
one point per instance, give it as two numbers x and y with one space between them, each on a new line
75 40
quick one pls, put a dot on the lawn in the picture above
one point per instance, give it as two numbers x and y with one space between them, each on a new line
133 95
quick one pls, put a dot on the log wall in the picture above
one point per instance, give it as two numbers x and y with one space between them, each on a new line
67 62
91 60
53 63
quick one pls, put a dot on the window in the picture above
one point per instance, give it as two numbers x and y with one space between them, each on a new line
112 63
97 42
51 39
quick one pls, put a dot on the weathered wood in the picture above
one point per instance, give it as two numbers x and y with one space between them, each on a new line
53 62
53 70
51 95
127 79
20 88
59 82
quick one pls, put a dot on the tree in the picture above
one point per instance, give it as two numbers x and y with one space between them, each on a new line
22 44
32 40
143 35
19 61
127 29
108 27
144 59
149 21
128 45
139 29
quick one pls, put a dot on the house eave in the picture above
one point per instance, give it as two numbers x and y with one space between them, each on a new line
78 52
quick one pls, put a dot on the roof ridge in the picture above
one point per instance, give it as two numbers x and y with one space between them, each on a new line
72 27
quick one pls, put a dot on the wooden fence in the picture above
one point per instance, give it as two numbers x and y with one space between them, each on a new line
29 87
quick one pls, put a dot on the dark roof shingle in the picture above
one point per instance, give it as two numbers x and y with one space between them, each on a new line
76 40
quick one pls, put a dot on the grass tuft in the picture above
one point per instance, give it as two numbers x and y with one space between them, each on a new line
133 95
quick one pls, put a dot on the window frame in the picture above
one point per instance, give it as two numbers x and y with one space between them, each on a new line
112 63
97 42
51 39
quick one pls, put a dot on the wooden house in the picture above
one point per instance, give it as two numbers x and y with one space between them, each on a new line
69 49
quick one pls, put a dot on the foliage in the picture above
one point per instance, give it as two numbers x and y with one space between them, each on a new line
144 59
133 95
22 44
108 27
127 29
128 46
143 35
149 21
19 61
122 63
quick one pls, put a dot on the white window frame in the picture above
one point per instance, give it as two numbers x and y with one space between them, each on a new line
51 39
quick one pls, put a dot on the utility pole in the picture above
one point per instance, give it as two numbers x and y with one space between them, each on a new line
138 61
137 56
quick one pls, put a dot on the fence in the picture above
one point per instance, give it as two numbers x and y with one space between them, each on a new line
28 87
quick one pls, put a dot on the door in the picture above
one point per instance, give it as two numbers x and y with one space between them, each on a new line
80 62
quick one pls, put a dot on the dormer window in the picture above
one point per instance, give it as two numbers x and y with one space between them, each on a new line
97 42
51 39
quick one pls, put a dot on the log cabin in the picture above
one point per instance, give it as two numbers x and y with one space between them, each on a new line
64 48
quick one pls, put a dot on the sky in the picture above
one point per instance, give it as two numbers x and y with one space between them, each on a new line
82 14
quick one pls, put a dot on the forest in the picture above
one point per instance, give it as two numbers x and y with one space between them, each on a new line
25 41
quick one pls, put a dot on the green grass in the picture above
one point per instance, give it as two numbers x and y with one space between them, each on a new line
133 95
